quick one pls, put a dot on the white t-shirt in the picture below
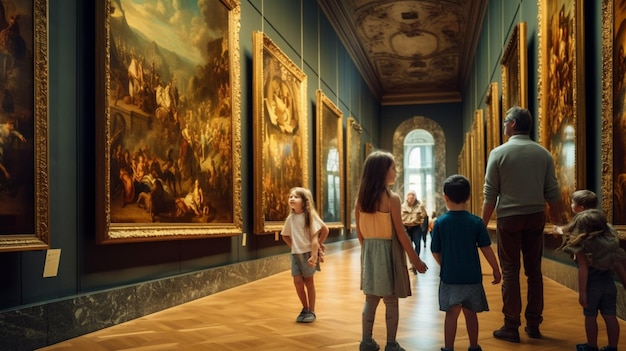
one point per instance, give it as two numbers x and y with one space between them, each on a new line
294 227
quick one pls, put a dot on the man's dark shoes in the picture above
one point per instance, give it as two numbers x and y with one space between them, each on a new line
533 332
585 347
507 334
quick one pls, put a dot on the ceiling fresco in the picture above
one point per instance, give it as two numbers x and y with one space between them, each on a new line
410 52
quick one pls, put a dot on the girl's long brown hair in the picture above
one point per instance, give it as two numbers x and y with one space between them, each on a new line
374 180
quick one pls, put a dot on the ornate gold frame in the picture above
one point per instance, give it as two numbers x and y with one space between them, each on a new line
514 64
612 39
280 144
40 238
494 120
561 112
353 168
329 135
477 163
123 232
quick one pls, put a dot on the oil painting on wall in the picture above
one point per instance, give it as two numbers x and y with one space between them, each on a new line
561 88
614 112
494 121
280 133
353 168
24 214
515 70
170 120
330 185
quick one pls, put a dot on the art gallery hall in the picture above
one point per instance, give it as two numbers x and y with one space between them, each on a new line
148 149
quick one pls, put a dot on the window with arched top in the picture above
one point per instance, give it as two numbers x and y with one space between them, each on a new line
419 169
419 147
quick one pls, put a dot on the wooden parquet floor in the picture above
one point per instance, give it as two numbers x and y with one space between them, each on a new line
261 316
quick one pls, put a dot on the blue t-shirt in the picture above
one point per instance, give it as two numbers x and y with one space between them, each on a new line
456 236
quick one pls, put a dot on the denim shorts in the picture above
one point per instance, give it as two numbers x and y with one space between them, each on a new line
601 296
300 266
470 296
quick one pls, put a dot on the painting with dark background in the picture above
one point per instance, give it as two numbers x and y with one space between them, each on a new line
619 114
561 93
17 118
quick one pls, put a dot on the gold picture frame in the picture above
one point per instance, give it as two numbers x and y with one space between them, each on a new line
494 120
368 149
330 188
353 168
25 191
464 159
561 112
169 159
613 111
514 65
280 132
478 161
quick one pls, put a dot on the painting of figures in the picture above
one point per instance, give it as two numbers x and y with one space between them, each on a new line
619 114
561 91
172 123
280 132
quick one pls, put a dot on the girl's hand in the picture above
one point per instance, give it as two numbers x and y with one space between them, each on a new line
312 261
420 266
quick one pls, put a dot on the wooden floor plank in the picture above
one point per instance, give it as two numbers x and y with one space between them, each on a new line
261 316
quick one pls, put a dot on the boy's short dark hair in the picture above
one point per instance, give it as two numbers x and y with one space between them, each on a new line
457 188
585 198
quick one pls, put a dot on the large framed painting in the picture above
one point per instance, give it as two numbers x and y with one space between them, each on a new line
353 168
24 193
330 180
280 132
561 112
169 139
614 112
465 158
494 119
478 163
514 65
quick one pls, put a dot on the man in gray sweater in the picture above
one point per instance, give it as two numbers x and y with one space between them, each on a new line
519 180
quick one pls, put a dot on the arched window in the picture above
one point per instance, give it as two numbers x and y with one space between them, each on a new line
419 168
419 146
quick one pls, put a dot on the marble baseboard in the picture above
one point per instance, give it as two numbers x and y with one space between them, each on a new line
33 327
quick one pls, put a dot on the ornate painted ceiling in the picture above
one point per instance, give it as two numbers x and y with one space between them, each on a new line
410 51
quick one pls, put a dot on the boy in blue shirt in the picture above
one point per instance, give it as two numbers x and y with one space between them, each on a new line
455 238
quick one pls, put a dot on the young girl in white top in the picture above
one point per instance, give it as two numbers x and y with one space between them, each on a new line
305 232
